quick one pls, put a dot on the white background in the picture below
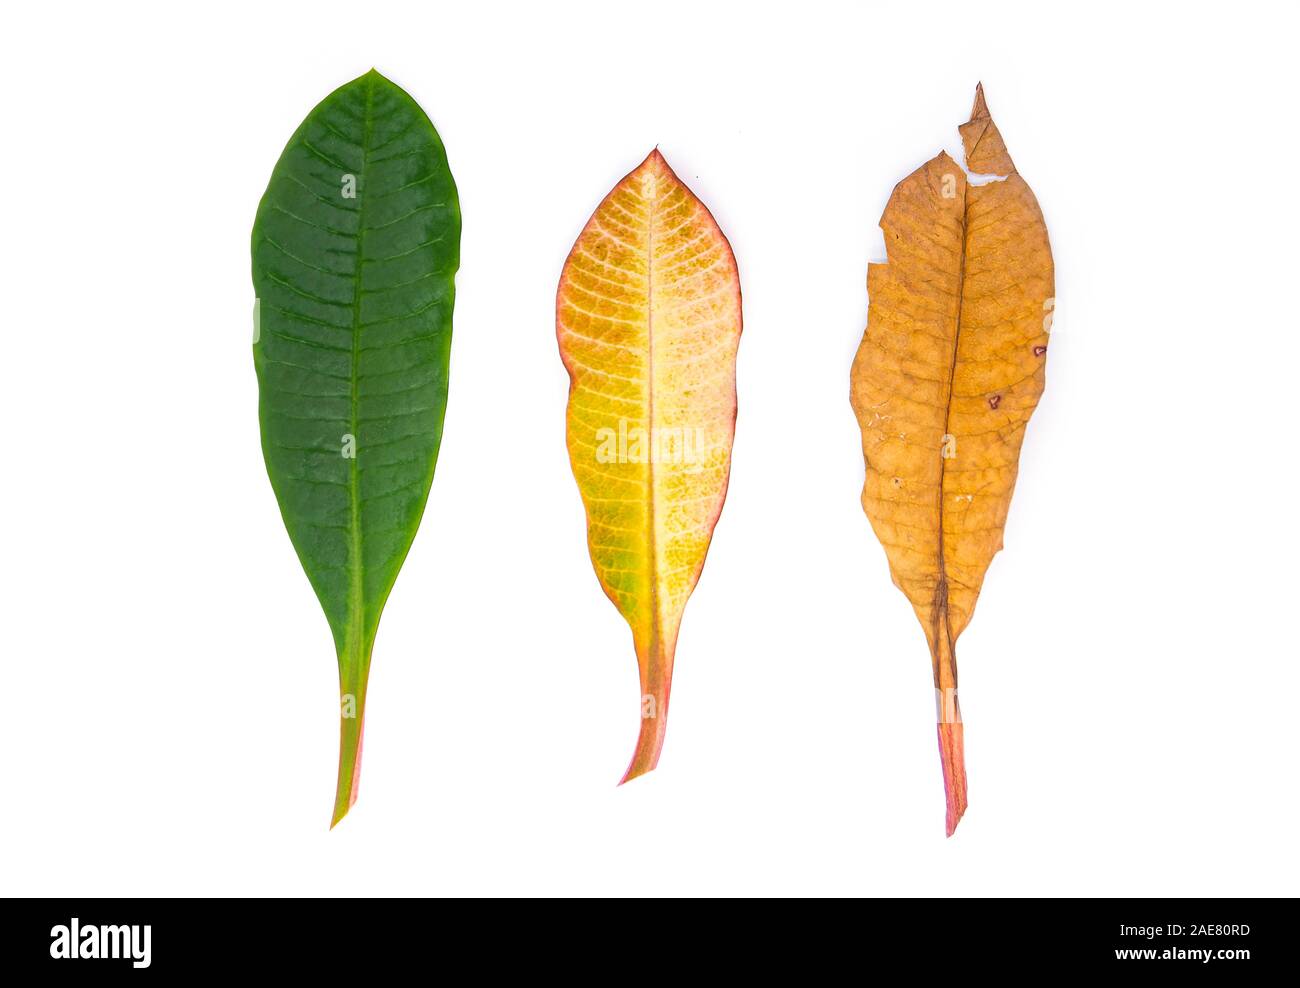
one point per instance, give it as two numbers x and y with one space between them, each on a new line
1129 680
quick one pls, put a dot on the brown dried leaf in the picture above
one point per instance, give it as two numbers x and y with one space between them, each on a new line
948 373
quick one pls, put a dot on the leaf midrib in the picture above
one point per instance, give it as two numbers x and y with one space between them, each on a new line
355 565
651 541
941 588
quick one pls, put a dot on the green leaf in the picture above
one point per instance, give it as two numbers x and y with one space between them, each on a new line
355 250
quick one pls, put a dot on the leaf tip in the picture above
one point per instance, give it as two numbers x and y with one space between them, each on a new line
655 159
980 109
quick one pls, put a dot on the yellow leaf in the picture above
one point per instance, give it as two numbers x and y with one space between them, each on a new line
949 370
648 321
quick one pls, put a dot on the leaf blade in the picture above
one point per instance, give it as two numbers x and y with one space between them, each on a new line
949 371
355 248
648 320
